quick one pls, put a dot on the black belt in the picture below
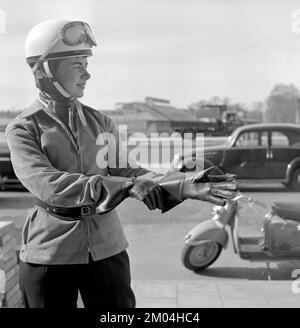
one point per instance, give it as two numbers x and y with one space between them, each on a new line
75 212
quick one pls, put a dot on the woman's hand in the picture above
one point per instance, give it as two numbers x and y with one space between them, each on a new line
215 193
204 176
212 188
201 185
147 191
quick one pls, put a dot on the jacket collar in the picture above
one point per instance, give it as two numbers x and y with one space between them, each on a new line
35 107
38 105
53 106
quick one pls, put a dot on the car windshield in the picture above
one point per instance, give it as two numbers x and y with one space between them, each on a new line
228 140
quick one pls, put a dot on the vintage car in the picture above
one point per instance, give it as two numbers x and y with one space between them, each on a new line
7 175
268 152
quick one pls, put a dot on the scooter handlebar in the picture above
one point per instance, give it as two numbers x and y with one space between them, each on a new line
250 200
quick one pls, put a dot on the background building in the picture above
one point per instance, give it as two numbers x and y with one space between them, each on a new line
153 115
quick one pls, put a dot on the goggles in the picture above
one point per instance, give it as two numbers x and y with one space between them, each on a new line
72 34
75 33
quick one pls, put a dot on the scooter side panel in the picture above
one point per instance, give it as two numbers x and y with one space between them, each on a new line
209 230
282 237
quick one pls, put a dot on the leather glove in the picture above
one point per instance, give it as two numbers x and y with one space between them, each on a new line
212 188
148 191
204 176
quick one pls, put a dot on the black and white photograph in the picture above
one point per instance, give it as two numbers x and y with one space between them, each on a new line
149 157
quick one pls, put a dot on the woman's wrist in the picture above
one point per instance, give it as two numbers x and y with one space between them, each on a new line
186 189
128 186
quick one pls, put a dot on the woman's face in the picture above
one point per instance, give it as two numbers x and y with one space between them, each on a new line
71 73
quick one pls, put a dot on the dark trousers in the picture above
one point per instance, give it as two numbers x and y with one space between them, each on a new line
104 283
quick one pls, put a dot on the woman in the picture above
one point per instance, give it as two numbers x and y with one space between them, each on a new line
73 240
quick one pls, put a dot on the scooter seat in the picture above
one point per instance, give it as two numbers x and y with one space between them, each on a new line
287 210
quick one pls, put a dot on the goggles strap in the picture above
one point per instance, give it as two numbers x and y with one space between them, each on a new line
46 105
63 92
80 112
47 70
56 84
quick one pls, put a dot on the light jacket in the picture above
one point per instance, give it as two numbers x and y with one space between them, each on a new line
59 164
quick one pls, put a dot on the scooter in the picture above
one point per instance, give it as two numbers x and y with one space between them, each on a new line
279 239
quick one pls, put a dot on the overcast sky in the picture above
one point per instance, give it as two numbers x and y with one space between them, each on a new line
181 50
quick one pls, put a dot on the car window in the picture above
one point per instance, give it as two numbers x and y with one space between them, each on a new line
279 139
263 139
294 138
252 139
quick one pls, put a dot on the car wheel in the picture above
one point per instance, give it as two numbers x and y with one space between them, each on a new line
295 182
201 256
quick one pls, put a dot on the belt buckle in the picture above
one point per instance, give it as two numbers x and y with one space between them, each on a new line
85 210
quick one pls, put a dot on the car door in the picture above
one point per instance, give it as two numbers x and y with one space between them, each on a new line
5 163
285 146
248 156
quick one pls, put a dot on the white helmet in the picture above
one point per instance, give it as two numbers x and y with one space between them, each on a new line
58 38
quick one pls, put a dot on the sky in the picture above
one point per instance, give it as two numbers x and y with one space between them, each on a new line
184 50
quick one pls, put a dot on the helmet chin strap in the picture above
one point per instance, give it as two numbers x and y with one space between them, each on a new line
64 93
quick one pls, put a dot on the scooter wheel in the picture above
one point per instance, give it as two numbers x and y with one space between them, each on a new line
199 257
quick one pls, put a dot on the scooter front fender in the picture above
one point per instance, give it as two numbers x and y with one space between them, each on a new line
210 230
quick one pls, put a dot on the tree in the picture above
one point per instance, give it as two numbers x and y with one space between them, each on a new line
256 111
282 104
